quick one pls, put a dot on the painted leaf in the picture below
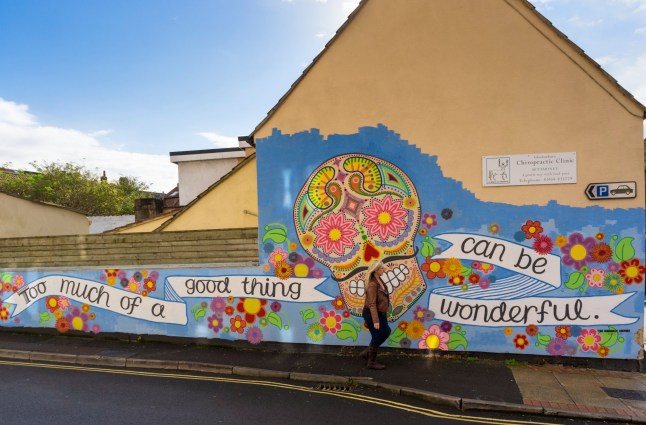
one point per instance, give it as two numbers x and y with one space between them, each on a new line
543 339
624 250
348 331
610 337
275 320
427 249
45 317
307 314
575 280
466 271
457 340
275 235
397 335
198 312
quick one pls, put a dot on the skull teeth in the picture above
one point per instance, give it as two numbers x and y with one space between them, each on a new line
393 278
357 287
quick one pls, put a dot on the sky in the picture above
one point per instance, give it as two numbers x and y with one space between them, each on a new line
117 85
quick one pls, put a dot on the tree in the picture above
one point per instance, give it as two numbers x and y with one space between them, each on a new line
74 186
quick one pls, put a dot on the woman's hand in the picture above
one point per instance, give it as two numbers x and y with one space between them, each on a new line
376 325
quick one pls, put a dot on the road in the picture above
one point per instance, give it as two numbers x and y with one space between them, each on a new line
60 394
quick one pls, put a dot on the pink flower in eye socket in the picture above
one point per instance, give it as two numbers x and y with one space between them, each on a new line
335 234
385 218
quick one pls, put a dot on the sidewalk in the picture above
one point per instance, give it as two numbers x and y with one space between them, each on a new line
466 384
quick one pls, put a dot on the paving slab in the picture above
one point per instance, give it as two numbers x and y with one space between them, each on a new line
585 390
540 385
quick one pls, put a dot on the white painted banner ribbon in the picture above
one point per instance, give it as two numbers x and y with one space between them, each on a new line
134 305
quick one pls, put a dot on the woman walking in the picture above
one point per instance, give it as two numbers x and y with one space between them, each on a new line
375 307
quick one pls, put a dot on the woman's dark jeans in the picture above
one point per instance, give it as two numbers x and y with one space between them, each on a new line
378 336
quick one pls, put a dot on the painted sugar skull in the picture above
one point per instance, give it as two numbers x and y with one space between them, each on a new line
355 209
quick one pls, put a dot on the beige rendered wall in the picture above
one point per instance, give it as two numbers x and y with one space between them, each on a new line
22 218
462 79
224 206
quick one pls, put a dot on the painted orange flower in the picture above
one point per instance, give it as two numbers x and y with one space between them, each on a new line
237 324
62 325
415 329
402 325
532 229
560 241
452 266
338 303
563 332
4 313
433 268
508 331
51 303
251 308
603 351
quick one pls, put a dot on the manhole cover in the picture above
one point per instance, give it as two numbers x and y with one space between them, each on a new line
625 394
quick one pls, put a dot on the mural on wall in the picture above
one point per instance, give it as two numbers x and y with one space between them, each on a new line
463 274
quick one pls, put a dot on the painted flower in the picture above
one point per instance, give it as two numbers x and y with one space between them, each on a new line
428 315
474 278
571 349
335 234
563 332
483 267
385 218
278 256
64 303
254 335
556 347
531 330
602 253
521 341
632 271
293 246
508 331
446 326
316 332
18 281
452 266
218 304
429 220
543 244
331 321
603 351
283 270
252 308
613 267
415 329
62 325
338 303
51 303
447 213
404 343
229 310
560 241
418 313
484 283
494 228
85 308
589 340
96 328
434 338
215 322
531 229
134 285
237 324
595 278
433 268
578 251
410 202
275 306
4 313
307 240
78 320
613 282
457 280
150 285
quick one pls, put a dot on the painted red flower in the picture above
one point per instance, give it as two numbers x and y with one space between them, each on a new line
251 308
433 268
563 332
632 271
543 244
237 324
334 233
338 303
521 341
531 330
532 229
385 218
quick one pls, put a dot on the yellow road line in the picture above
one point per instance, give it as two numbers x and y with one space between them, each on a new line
351 396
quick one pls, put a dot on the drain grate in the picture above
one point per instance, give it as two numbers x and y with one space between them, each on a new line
333 387
625 394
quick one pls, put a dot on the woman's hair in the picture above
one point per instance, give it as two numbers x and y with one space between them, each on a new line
372 268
